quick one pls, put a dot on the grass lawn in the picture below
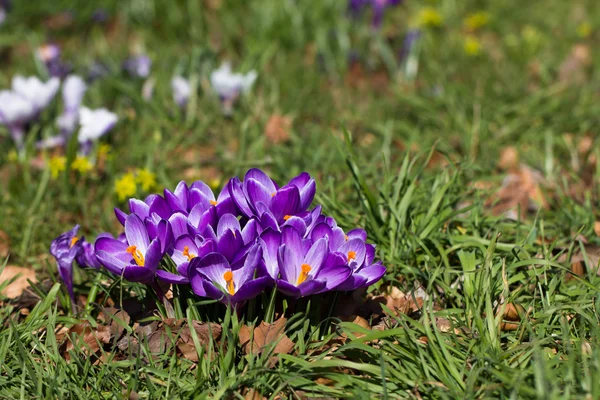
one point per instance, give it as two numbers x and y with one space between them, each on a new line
461 135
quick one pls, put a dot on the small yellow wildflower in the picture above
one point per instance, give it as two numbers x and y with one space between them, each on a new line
476 20
103 150
430 17
125 186
13 156
584 29
57 164
214 183
146 179
472 46
81 164
531 36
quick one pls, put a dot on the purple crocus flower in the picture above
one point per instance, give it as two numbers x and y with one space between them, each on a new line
356 7
49 54
259 194
215 277
351 250
136 260
229 86
65 249
304 266
87 256
138 66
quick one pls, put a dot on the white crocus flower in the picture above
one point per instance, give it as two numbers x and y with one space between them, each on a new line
73 91
40 94
229 85
95 123
181 90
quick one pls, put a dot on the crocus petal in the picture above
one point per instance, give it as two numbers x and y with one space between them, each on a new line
288 289
333 276
196 282
316 255
171 278
250 290
256 192
285 202
121 215
246 272
110 245
140 208
262 178
134 273
158 205
110 262
229 243
179 225
236 193
289 264
373 273
354 250
136 233
228 222
250 231
298 224
212 267
307 194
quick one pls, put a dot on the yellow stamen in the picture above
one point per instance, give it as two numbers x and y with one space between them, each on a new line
351 255
304 274
136 254
73 241
286 217
214 203
186 252
228 276
346 237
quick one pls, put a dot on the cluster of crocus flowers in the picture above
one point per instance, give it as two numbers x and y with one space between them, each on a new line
252 236
93 123
23 104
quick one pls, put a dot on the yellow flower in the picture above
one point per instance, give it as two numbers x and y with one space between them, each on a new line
584 29
146 179
13 156
57 164
472 46
125 186
476 20
214 183
103 150
82 165
429 16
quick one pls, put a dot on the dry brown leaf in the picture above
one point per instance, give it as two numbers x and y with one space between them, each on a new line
15 288
253 394
87 339
4 244
278 127
520 189
597 228
115 318
360 321
509 158
264 335
573 69
186 345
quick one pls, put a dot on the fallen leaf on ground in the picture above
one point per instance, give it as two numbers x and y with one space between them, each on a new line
573 69
509 158
4 244
20 283
360 321
278 127
264 335
87 338
521 189
205 332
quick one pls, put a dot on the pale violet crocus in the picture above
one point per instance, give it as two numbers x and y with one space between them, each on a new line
73 90
94 124
228 85
181 90
23 104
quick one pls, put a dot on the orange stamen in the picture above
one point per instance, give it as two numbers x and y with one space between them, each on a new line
228 276
273 194
286 217
186 252
214 203
73 241
304 274
136 254
346 237
351 255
